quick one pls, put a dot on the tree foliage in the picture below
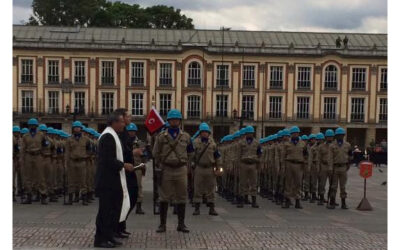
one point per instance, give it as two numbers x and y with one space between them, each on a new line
103 13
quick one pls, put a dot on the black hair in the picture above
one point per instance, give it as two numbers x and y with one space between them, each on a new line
113 117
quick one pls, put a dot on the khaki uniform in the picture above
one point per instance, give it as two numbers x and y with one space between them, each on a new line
90 166
249 160
16 164
76 159
294 164
271 166
323 167
59 159
204 177
263 169
277 166
174 165
312 160
32 170
139 172
48 165
306 173
338 159
281 173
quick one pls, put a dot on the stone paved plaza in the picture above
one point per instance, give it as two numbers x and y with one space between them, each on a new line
269 227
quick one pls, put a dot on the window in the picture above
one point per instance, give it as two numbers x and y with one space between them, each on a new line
248 106
383 84
52 72
165 104
222 106
53 102
248 76
383 109
79 104
27 101
358 79
107 73
194 74
276 77
275 107
26 71
357 109
303 107
193 106
330 78
137 74
330 108
304 77
80 72
137 104
222 75
165 74
107 103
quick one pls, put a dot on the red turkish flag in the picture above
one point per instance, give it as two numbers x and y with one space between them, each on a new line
153 121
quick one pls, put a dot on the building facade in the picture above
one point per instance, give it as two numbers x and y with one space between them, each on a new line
270 80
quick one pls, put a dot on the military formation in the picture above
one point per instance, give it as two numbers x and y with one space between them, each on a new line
49 163
285 167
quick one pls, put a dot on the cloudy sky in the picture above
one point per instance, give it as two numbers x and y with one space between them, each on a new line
283 15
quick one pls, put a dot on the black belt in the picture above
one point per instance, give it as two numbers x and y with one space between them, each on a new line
79 159
34 153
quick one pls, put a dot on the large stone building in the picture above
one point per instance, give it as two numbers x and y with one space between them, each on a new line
266 79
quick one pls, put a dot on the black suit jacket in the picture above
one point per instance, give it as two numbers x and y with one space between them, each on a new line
108 166
127 147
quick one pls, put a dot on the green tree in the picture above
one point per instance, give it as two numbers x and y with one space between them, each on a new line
103 13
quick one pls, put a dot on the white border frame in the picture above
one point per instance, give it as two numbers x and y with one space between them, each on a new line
99 108
20 68
73 60
311 76
129 108
269 75
130 61
201 71
101 69
172 72
46 65
338 77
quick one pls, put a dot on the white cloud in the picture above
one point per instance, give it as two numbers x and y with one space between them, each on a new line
21 14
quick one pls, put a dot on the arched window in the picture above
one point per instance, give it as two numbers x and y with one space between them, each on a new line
193 107
330 78
194 74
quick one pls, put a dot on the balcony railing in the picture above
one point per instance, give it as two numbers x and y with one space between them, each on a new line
302 116
357 117
193 114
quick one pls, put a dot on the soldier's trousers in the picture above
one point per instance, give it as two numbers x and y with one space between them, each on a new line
323 176
60 174
248 179
139 176
339 175
89 175
31 173
294 176
204 184
313 178
49 171
16 167
174 184
306 180
77 172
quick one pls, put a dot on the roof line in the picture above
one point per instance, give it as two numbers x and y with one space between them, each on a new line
270 31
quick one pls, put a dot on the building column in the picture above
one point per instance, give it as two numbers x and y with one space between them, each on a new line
92 87
235 88
122 83
152 83
290 92
40 84
178 82
372 97
317 93
15 84
344 90
209 88
370 135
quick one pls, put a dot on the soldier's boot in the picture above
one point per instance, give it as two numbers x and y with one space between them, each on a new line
344 206
212 209
321 200
53 198
204 200
229 197
181 219
239 202
286 203
175 211
43 199
313 198
70 198
76 197
84 199
298 205
28 199
196 208
306 196
254 202
331 204
163 217
139 208
88 200
246 200
235 200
